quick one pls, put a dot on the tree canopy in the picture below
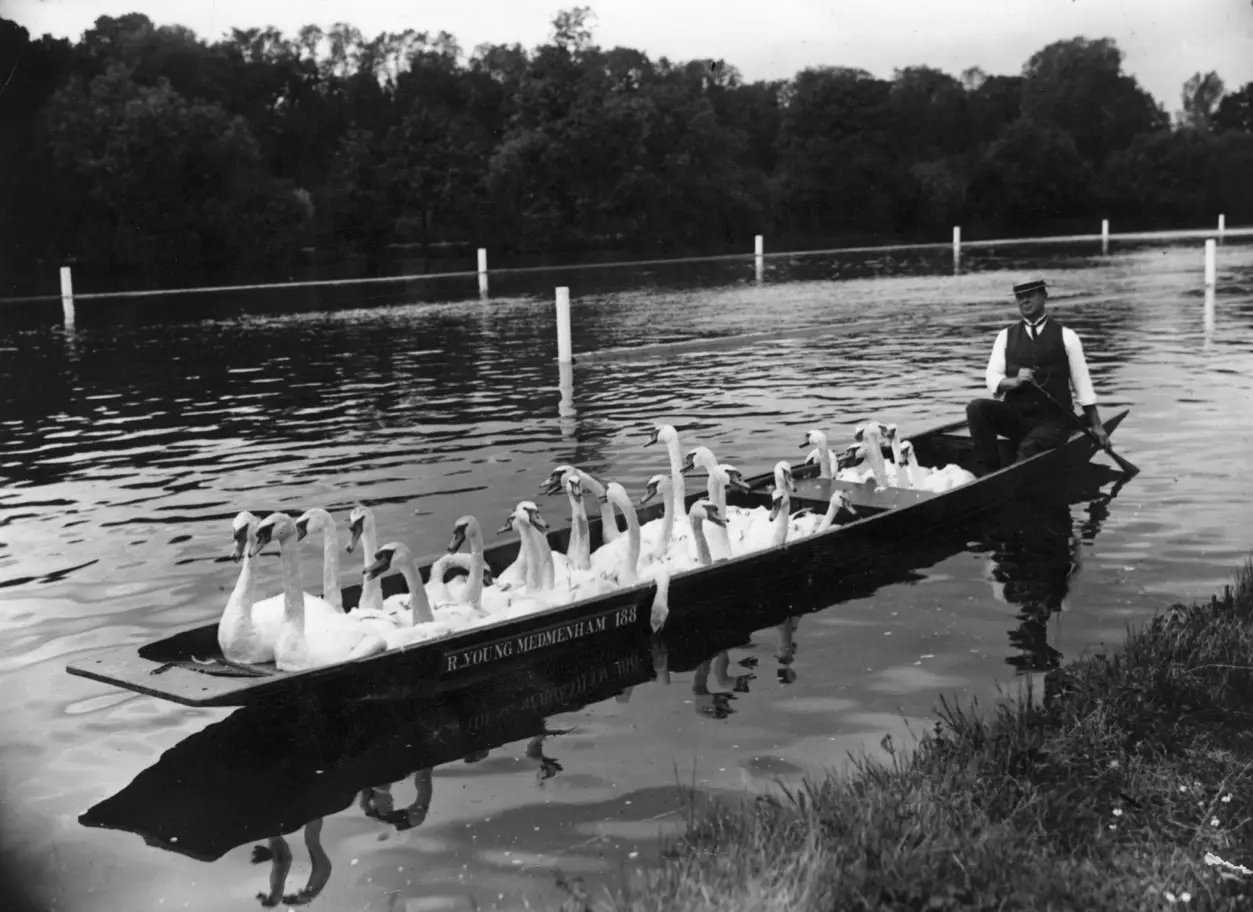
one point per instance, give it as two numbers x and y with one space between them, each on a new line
146 151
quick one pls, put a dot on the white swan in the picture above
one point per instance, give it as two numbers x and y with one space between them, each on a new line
248 629
466 530
658 536
307 639
702 511
579 546
361 525
917 474
751 530
827 461
609 530
619 560
319 520
665 433
424 626
716 490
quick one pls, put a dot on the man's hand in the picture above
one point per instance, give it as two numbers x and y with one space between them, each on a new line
1022 378
1098 430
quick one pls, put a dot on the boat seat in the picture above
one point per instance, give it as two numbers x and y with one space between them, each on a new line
815 493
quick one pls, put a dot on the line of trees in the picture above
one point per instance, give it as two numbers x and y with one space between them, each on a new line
142 150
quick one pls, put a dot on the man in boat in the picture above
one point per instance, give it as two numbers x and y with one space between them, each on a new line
1035 364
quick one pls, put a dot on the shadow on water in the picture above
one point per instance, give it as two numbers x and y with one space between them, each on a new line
270 770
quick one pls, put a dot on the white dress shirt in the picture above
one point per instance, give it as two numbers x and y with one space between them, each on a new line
1080 381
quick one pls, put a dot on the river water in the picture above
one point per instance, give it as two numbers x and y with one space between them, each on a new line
128 443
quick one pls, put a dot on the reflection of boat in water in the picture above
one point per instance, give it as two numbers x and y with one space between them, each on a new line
265 770
842 562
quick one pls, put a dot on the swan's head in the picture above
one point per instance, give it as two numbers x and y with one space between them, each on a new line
871 429
275 527
661 433
460 530
783 476
357 519
706 511
528 512
573 486
315 520
552 484
735 478
658 484
616 493
889 432
849 458
841 501
907 449
814 438
778 503
382 562
242 527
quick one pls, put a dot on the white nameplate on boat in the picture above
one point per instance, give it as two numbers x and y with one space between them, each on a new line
522 643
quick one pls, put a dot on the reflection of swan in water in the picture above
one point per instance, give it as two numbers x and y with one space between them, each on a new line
278 853
717 704
548 766
786 652
377 802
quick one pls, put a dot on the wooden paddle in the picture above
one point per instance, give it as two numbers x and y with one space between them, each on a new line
1125 464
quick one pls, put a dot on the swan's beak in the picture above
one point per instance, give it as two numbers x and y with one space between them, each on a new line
264 535
848 506
551 484
689 464
507 527
382 563
805 443
356 529
775 506
848 458
604 498
739 484
712 515
650 491
538 521
652 437
489 578
302 529
458 538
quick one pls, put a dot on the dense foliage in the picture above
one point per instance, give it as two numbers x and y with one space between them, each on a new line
144 151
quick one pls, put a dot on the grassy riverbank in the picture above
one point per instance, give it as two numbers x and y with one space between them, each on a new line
1110 795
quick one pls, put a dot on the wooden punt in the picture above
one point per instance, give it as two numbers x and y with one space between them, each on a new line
844 562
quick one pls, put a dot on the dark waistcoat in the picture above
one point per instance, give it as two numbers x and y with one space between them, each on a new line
1047 357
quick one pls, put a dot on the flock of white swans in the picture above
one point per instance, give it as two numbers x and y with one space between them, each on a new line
297 630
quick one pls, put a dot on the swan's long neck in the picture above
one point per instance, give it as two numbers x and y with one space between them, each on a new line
330 567
371 590
781 520
702 544
667 528
608 525
419 604
679 492
239 606
474 585
293 590
874 455
541 574
633 536
914 470
579 549
824 458
828 518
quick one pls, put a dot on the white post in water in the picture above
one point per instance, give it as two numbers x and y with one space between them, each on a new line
758 254
564 354
1211 265
1222 225
1208 317
1104 235
482 271
759 248
565 406
67 296
957 240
